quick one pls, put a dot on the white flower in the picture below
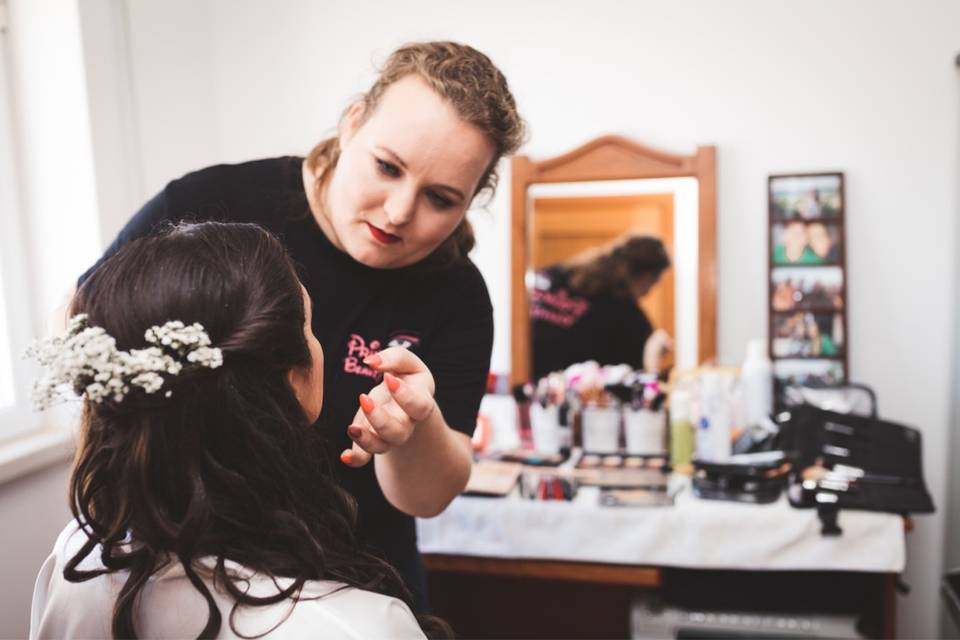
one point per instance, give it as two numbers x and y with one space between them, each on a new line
86 361
206 357
149 381
177 336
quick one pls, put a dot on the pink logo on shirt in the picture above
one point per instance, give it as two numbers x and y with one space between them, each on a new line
558 308
357 350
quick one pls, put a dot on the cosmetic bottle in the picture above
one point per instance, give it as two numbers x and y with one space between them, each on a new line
681 432
756 384
713 434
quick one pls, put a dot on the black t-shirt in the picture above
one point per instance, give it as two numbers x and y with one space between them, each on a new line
569 328
444 316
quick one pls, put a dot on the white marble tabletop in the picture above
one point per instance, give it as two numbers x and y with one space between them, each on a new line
693 533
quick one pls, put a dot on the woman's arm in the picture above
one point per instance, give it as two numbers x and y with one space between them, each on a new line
431 469
657 346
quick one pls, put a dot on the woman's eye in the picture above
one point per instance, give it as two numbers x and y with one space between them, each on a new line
438 200
388 169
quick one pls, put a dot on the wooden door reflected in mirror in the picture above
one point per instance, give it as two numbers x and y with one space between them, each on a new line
567 208
562 228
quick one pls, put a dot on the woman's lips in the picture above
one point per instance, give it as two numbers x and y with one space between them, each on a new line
382 236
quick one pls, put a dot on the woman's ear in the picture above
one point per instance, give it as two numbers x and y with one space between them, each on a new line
352 121
296 379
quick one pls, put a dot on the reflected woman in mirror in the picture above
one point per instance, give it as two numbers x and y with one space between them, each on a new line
203 503
588 308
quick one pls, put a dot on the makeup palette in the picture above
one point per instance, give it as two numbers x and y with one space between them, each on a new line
531 458
618 461
493 478
622 471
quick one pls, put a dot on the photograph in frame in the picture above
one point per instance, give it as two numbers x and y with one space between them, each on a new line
796 242
795 289
807 334
808 371
810 197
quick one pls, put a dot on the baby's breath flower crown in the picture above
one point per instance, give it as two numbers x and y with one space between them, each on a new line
86 362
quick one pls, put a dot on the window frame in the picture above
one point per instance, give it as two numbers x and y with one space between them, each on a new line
20 307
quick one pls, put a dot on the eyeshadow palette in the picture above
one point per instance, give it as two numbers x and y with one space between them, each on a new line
492 478
617 461
531 457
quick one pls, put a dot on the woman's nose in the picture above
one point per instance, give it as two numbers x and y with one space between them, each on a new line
400 206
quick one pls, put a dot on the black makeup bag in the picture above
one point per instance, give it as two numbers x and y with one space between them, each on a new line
845 461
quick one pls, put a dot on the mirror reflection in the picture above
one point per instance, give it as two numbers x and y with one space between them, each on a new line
613 258
603 303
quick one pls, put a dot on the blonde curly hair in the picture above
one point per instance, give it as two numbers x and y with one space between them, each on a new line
478 92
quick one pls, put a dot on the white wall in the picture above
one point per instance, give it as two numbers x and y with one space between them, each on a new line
33 510
866 88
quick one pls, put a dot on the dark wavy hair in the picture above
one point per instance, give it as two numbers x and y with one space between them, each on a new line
612 271
228 466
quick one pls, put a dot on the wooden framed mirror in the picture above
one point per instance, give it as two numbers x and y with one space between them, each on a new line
611 185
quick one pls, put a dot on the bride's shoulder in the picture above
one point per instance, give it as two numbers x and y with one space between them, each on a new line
349 612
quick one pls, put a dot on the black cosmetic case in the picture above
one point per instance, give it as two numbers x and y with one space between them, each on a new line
871 464
756 482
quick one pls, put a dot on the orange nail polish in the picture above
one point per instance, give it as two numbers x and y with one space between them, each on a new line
366 403
393 383
346 457
373 360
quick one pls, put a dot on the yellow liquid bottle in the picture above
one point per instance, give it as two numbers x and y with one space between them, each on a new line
681 433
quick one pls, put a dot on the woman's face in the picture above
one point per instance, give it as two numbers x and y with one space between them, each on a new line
405 177
308 383
641 286
819 239
794 240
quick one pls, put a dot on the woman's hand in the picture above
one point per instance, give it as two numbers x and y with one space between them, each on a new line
657 346
423 463
390 413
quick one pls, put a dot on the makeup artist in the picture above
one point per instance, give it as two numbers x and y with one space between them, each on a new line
376 220
588 308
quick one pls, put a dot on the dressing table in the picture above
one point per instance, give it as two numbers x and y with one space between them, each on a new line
511 567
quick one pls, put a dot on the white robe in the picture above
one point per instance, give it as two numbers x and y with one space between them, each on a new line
170 607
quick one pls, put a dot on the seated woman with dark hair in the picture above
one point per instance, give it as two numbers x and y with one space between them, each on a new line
203 504
588 308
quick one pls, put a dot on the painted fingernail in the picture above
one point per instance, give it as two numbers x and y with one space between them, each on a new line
354 431
373 360
346 457
366 403
393 382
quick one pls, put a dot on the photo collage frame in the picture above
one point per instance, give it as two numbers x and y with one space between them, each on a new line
807 278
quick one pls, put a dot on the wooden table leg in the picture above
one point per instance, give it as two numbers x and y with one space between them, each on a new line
890 606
